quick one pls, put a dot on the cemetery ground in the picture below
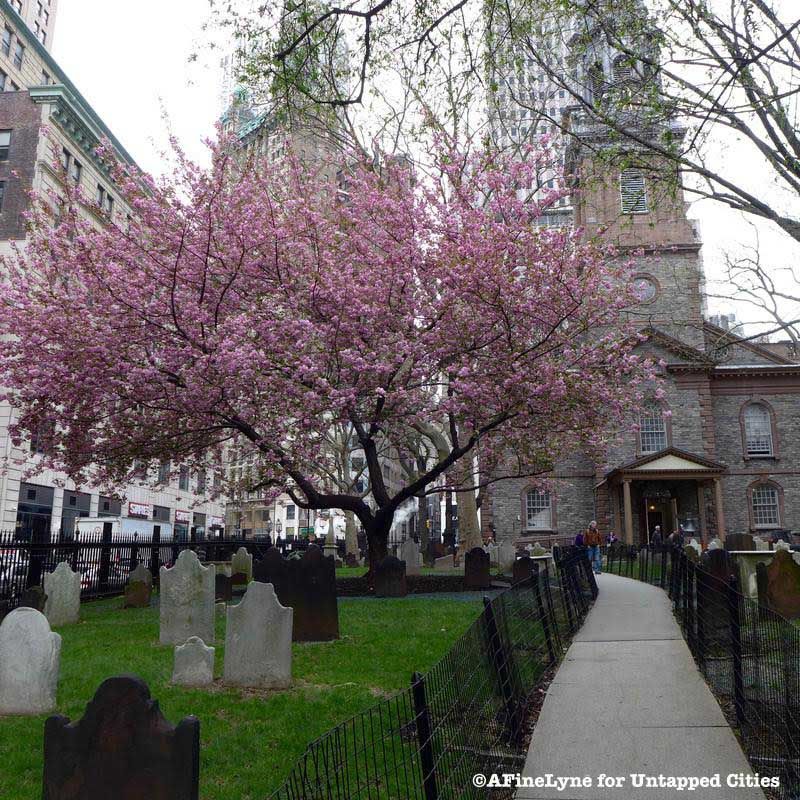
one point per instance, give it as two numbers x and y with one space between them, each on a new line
249 739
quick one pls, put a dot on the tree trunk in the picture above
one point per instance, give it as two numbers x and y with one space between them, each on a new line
377 532
423 520
468 528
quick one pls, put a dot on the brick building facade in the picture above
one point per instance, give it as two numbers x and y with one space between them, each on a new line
721 453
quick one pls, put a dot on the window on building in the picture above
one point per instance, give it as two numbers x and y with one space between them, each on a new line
5 45
623 71
42 438
3 81
101 195
14 87
77 171
109 205
183 479
766 506
758 430
539 514
45 78
163 472
201 481
290 511
652 430
66 159
2 194
5 144
633 192
19 53
18 5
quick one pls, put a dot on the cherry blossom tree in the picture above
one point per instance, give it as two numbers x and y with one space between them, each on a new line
255 306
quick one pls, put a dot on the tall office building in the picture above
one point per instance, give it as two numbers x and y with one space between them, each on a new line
45 119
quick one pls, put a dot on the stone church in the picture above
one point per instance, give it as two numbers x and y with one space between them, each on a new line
726 456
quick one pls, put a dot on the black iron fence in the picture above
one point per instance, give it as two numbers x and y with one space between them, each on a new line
467 715
104 562
749 655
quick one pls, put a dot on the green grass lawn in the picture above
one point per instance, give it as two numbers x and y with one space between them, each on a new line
249 739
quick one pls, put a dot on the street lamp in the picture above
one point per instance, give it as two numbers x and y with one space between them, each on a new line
278 527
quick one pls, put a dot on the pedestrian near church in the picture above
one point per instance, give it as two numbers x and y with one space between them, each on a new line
592 539
656 540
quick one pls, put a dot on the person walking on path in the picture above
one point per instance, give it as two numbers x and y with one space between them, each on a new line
592 539
579 540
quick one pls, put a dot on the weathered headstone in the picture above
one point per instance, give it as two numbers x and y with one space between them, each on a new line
476 569
223 587
186 600
492 549
29 660
782 545
63 589
739 541
139 588
221 609
713 576
716 544
308 586
409 553
781 586
696 545
122 748
390 578
523 569
538 550
258 640
691 553
194 663
33 597
506 557
241 567
444 563
760 544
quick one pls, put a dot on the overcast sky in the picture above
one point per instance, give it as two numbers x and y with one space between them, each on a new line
131 60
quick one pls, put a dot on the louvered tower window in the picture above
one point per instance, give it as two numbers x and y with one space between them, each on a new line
633 192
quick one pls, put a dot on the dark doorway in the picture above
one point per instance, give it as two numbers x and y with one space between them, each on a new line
655 518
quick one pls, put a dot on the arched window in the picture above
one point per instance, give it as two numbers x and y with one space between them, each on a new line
758 431
765 505
652 430
538 510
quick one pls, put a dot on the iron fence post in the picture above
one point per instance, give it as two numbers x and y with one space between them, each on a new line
565 593
691 573
501 661
663 566
424 737
700 597
548 634
736 647
105 558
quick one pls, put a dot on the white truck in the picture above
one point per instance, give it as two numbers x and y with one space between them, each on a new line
90 529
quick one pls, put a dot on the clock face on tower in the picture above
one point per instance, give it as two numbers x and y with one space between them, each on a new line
645 288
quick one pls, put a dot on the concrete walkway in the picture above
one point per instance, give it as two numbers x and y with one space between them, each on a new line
629 699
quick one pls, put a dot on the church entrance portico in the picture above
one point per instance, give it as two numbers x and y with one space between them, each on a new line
667 489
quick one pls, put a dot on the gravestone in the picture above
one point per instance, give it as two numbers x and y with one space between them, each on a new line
63 590
523 569
409 553
220 609
691 553
241 567
739 541
782 545
194 663
122 747
716 544
476 569
493 550
258 640
538 550
713 576
444 563
696 545
307 585
223 587
779 589
506 557
390 578
139 588
351 560
29 661
760 544
186 600
33 597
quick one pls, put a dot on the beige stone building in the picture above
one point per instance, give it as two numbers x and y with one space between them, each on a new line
49 134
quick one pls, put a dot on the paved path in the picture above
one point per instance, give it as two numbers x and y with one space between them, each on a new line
630 699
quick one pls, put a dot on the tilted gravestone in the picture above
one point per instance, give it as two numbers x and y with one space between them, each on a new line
779 587
476 569
186 600
223 587
123 748
409 553
139 588
445 563
194 663
506 557
713 578
29 660
390 578
33 597
523 569
241 567
739 541
307 585
63 590
258 640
